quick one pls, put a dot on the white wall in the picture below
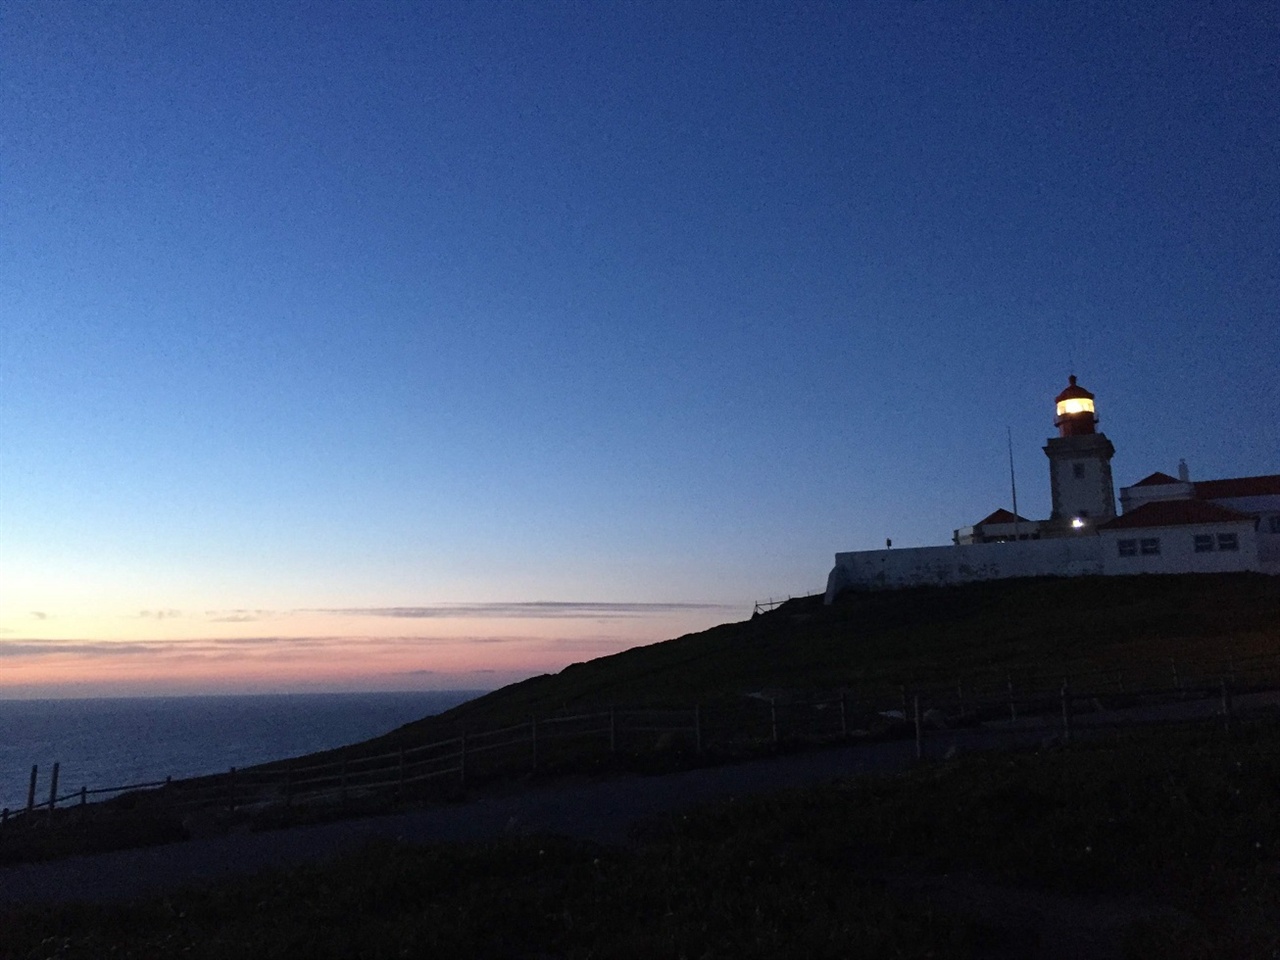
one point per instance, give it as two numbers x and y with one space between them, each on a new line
918 566
1177 550
1131 498
1265 507
1059 557
1269 543
1088 495
1093 493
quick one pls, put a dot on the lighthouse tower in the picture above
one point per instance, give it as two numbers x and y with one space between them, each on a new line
1079 466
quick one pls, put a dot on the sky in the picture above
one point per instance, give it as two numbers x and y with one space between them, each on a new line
402 345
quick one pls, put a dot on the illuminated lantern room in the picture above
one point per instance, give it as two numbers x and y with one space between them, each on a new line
1075 414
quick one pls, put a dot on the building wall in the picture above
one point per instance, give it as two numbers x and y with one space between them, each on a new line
1267 510
920 566
1065 557
1269 542
997 532
1091 493
1131 498
1177 552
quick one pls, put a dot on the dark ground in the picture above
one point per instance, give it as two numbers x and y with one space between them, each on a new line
602 810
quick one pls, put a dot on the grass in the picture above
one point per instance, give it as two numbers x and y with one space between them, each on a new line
871 643
1177 826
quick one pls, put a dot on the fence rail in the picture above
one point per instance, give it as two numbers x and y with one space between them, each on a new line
1060 697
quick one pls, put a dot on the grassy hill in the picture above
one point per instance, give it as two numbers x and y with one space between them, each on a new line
1112 637
870 645
978 635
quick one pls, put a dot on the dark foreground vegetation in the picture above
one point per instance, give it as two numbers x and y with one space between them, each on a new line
1159 843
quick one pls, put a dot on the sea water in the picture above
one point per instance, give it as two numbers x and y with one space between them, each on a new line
116 742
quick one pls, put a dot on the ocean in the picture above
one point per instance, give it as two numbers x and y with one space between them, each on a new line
119 741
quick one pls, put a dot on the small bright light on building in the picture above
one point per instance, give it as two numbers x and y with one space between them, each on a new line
1076 523
1075 405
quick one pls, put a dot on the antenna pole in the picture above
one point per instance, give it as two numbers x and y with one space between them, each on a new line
1013 483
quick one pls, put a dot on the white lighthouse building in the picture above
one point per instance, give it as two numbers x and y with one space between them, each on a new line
1079 464
1168 525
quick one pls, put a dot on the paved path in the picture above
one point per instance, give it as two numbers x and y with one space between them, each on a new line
601 810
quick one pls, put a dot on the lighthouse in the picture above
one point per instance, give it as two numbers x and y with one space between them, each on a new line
1079 466
1169 525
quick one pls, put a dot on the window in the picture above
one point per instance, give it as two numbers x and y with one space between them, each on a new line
1128 548
1149 546
1273 523
1228 541
1077 470
1204 543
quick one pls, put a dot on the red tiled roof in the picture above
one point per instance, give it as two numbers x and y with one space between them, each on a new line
1156 478
1001 516
1239 487
1174 513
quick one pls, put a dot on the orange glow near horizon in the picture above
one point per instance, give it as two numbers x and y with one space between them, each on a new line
369 662
398 648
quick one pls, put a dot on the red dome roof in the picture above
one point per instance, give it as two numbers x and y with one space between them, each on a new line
1073 392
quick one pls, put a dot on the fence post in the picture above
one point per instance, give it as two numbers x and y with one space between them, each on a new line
960 697
84 796
1227 706
231 790
53 789
1013 707
773 719
4 815
533 738
915 701
844 717
462 757
31 789
613 730
1120 681
1066 712
697 728
1177 684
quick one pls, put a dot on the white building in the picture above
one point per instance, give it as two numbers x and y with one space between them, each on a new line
1166 524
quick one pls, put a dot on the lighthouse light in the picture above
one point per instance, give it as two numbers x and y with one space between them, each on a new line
1075 405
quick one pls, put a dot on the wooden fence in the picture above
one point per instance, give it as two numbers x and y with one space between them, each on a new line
1056 699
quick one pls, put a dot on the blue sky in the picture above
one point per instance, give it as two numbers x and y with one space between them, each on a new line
318 306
